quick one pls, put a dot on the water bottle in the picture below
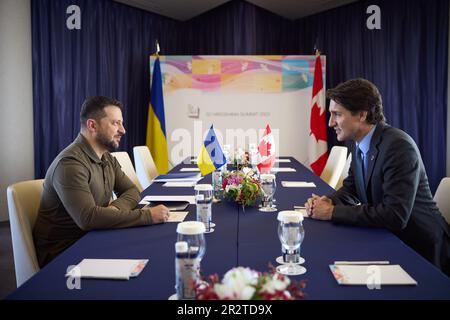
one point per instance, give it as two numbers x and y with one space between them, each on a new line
203 200
217 176
189 251
253 156
240 158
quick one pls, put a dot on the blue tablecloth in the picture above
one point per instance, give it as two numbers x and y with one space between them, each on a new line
241 238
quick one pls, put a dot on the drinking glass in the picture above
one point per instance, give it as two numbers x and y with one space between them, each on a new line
268 186
291 234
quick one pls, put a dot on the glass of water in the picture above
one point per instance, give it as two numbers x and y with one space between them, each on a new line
268 186
291 235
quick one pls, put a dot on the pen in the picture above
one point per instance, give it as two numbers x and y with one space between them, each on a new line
360 262
299 207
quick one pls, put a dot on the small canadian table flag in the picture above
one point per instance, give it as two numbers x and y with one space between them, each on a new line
266 150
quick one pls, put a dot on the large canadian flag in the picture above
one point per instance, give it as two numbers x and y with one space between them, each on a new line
317 144
266 150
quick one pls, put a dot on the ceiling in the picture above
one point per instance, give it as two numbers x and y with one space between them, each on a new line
186 9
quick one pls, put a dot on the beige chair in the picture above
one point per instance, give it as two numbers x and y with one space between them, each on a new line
344 173
127 166
24 199
145 166
334 166
442 198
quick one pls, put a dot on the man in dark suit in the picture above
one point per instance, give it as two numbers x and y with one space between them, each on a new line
387 185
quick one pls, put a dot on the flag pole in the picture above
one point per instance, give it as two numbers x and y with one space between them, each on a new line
316 50
157 48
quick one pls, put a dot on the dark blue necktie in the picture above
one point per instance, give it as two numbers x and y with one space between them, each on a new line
361 165
364 165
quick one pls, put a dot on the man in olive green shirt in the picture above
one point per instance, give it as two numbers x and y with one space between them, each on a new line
79 183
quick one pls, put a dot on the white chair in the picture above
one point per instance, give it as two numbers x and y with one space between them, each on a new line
344 173
334 166
145 166
127 166
24 199
442 198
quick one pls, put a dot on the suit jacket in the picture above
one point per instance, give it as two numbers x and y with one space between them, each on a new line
397 196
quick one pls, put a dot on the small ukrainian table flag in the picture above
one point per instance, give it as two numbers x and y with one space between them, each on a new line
211 156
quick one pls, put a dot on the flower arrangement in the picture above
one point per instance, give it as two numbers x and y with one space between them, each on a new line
246 284
243 187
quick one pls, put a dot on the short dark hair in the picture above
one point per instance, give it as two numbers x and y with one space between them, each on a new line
93 108
359 95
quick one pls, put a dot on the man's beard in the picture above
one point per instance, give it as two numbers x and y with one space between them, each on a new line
106 143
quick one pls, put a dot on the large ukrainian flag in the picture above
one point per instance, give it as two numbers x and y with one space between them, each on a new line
211 156
156 124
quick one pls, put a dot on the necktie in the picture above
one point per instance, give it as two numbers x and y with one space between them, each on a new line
363 165
359 174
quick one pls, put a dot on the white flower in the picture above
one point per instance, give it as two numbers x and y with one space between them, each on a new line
238 283
277 283
241 274
227 291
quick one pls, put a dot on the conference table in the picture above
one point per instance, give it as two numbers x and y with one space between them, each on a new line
241 238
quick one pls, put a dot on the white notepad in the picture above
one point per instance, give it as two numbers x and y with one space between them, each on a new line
177 216
189 169
147 199
282 160
179 177
279 169
120 269
371 274
298 184
180 184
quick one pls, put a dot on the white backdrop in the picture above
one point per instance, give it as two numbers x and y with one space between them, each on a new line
274 90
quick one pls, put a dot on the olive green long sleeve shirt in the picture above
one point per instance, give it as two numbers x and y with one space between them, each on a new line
77 192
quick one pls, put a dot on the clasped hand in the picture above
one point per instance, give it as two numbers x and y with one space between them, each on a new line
320 208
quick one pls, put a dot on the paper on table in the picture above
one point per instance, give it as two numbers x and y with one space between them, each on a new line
367 274
282 169
282 160
189 169
178 177
121 269
298 184
179 184
361 262
177 216
147 199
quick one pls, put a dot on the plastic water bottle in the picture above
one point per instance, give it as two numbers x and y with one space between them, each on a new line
189 251
182 272
203 200
217 176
